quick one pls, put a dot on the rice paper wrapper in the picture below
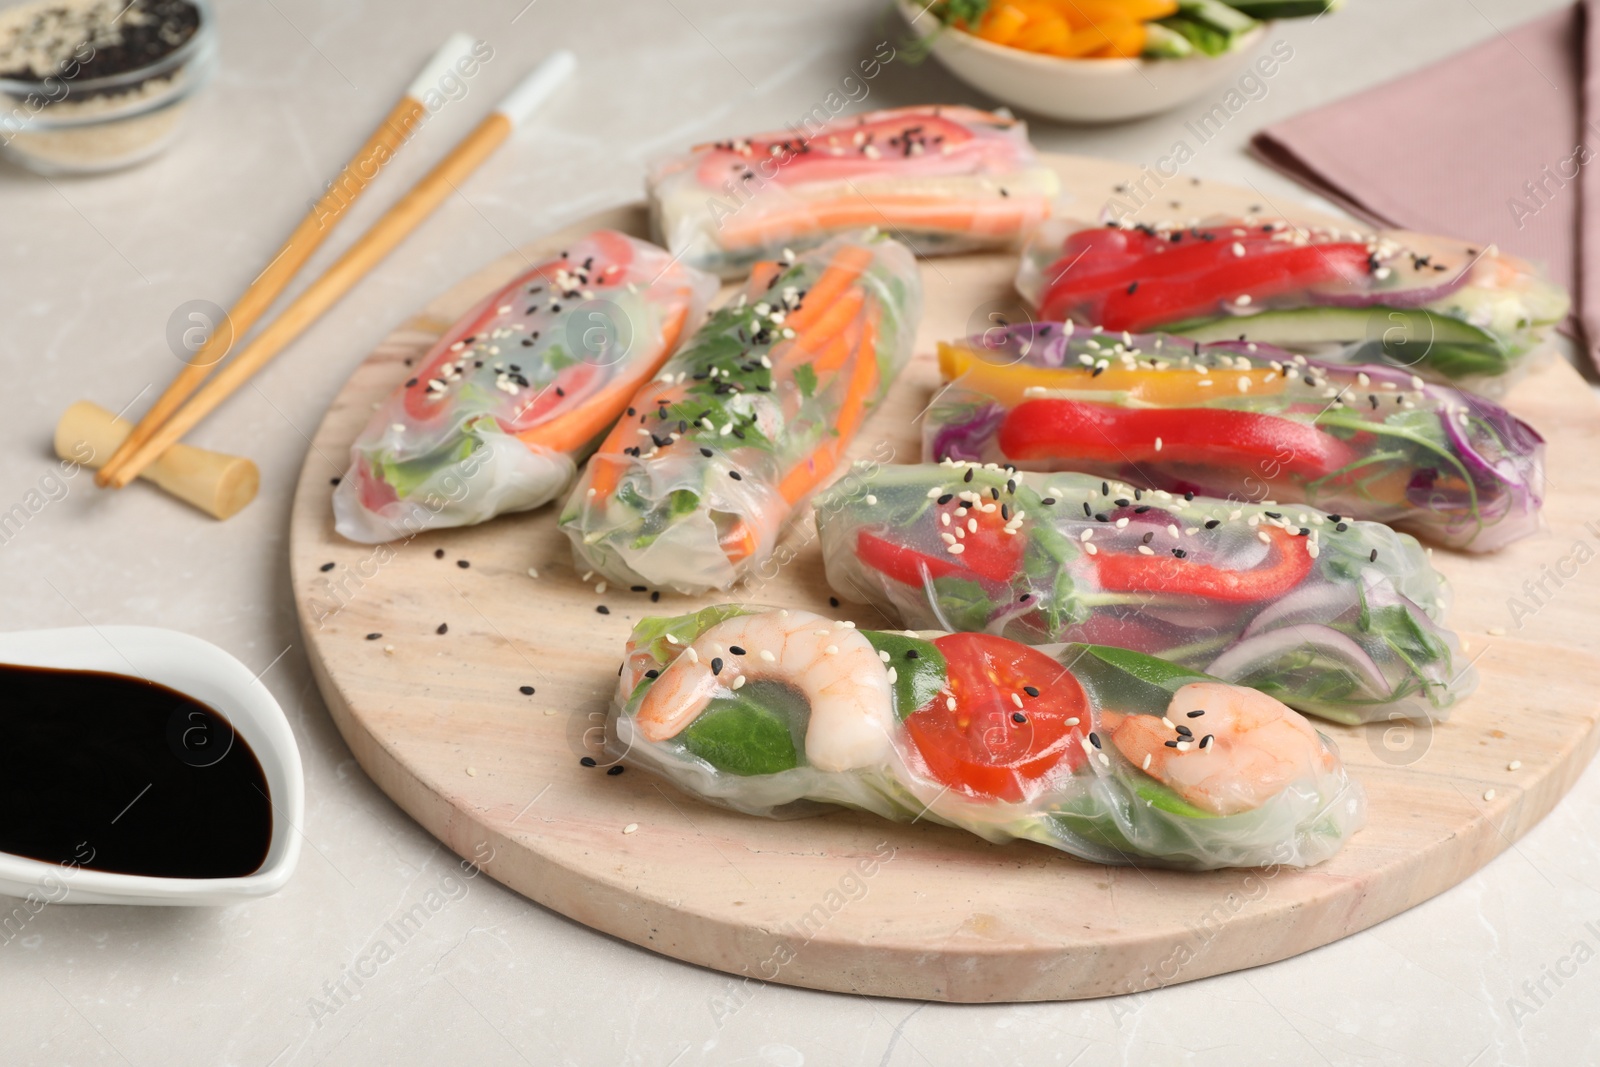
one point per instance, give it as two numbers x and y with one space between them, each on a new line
1338 618
1241 420
942 179
693 487
496 416
749 747
1451 311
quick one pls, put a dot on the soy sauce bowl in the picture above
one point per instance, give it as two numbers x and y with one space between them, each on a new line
211 676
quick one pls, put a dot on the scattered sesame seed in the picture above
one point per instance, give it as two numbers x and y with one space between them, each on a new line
631 828
1514 765
444 628
602 609
587 761
438 553
526 690
1488 794
373 637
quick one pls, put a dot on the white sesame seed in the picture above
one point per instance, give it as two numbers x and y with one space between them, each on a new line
1243 300
1514 765
894 676
935 493
950 703
1238 249
883 655
1264 538
1016 700
1087 534
1158 444
767 656
1146 550
1497 631
671 640
972 525
1146 765
631 828
944 518
1091 548
533 572
871 500
738 682
831 650
694 657
472 772
956 550
1488 794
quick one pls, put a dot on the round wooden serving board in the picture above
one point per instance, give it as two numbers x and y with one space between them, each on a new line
848 901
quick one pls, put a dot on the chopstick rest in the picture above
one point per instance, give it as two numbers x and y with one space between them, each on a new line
218 484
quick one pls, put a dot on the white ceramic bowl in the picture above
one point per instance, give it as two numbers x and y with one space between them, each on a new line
207 673
1080 90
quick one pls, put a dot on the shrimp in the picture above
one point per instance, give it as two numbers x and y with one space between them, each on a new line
1224 748
830 664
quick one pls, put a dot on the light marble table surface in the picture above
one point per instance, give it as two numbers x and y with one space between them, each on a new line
90 271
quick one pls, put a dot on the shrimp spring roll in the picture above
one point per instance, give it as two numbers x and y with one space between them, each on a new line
1338 618
1448 310
943 179
1110 755
495 417
693 486
1240 419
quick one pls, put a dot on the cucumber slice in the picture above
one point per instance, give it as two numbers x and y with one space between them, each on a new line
1407 337
1285 9
1164 42
1227 19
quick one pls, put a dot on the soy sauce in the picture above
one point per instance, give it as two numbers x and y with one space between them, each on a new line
114 773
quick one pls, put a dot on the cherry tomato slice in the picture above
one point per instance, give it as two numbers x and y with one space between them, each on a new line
986 746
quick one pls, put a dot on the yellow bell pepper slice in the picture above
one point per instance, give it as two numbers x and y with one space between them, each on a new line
1175 387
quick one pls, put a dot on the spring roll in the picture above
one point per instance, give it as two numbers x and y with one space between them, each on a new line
753 414
1110 755
496 416
1453 312
941 179
1238 419
1338 618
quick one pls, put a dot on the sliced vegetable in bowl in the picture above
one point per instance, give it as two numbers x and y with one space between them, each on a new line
1338 618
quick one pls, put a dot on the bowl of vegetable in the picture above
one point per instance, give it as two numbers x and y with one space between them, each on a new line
1097 60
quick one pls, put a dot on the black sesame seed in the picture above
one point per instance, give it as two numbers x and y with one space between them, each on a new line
325 568
652 674
614 771
1148 537
994 492
1212 524
967 477
1122 501
1184 731
438 553
1189 495
1374 557
736 650
463 564
602 609
1141 509
333 481
716 665
912 653
1094 739
706 452
1018 717
1342 527
1102 517
1086 509
636 588
1205 742
736 476
1047 501
1031 690
373 637
588 761
444 628
833 601
1273 514
1105 488
945 499
655 597
1180 553
1194 714
1172 744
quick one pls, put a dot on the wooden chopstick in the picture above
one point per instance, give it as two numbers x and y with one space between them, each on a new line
361 257
396 128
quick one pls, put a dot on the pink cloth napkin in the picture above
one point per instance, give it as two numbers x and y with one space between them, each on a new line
1500 143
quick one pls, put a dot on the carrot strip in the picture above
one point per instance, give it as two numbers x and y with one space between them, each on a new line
571 430
821 332
848 264
761 275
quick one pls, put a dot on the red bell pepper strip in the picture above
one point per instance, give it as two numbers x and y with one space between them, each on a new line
1264 446
1288 566
1169 283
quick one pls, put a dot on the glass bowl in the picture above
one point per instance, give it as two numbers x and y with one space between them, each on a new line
60 124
